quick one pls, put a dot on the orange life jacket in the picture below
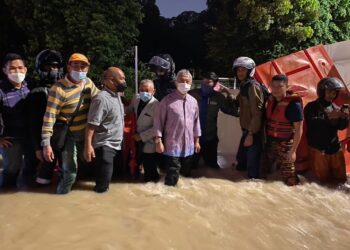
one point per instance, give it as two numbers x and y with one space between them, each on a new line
278 126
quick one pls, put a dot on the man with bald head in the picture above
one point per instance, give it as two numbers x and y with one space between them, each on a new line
104 132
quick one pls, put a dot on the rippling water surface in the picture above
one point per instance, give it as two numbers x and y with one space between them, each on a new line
219 211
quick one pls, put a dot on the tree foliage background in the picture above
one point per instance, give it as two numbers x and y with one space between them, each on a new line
107 31
267 29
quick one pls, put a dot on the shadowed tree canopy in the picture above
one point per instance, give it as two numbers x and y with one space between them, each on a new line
107 30
181 36
267 29
103 30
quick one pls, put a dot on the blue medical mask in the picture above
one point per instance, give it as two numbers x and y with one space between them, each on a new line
78 75
206 89
145 96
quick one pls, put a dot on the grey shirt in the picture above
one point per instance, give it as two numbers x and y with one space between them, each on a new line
107 114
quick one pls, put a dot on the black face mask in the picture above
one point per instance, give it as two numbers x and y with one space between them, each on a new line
121 87
53 76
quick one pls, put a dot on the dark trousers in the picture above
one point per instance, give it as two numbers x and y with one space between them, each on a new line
103 164
209 152
176 166
19 163
149 162
249 158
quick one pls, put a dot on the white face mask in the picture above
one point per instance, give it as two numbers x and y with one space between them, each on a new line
78 75
183 87
16 77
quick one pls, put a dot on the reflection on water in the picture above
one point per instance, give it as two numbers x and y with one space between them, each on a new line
201 213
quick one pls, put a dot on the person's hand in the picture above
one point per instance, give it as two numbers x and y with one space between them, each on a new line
137 137
225 90
197 147
89 153
5 142
248 141
335 114
344 114
39 155
291 157
48 153
159 147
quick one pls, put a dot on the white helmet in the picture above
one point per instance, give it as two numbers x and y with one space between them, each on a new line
245 62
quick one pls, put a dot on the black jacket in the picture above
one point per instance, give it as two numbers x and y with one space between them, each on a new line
322 133
13 110
216 102
164 86
36 106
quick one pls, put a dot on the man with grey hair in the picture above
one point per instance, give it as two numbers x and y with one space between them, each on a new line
144 105
177 129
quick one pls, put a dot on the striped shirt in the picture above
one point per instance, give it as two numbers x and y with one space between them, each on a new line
62 101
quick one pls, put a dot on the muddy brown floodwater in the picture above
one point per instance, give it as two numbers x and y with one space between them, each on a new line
219 211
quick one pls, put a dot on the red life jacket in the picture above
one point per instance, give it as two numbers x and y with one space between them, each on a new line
278 126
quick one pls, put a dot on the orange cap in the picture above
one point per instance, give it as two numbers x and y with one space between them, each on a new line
78 57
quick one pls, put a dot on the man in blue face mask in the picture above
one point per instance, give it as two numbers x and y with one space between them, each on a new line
144 106
67 105
210 102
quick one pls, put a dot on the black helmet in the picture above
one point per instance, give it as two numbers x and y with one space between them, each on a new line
331 83
49 57
244 62
162 63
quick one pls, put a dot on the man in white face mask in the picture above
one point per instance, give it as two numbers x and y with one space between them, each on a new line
68 103
144 105
13 92
177 129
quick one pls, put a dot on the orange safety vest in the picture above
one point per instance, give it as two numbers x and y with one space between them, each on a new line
278 126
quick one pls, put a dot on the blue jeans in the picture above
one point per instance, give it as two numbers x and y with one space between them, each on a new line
73 149
249 158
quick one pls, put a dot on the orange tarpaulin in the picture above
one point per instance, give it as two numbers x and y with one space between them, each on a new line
305 69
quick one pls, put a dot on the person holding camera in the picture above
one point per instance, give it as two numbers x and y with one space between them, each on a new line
323 120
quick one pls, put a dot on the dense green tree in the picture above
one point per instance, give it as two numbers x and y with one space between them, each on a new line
154 31
187 44
105 31
268 29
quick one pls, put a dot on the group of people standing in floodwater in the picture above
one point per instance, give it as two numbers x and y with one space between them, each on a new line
65 117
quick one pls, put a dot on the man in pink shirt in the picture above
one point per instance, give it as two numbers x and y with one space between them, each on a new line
177 129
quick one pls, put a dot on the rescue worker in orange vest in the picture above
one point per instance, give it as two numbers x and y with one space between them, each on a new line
324 119
284 122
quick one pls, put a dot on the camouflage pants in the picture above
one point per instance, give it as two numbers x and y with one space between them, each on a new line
276 152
